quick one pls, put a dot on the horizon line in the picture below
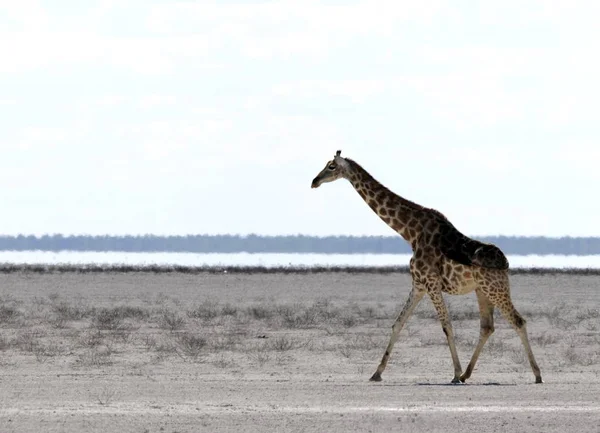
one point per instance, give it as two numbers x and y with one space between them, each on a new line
242 235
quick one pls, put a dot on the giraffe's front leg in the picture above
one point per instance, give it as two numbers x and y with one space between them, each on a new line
416 294
437 298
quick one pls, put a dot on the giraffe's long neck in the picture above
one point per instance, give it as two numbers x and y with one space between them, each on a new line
402 215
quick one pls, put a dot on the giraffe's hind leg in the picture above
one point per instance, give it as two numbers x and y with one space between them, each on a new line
486 315
498 292
514 318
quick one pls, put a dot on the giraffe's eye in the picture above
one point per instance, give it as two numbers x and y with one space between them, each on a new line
331 167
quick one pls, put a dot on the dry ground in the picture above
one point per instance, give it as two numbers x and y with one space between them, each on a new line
145 352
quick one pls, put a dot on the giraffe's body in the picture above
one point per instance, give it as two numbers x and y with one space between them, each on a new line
444 261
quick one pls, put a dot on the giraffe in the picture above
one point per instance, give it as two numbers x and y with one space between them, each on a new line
443 261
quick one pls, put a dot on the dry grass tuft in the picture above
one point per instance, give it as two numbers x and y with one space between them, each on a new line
191 345
99 356
207 310
283 343
544 339
577 356
171 320
9 314
108 319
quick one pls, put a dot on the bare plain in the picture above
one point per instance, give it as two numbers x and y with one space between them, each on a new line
175 352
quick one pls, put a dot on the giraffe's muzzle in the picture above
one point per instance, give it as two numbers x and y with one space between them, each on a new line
315 183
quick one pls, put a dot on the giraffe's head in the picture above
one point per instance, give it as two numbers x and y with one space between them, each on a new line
335 169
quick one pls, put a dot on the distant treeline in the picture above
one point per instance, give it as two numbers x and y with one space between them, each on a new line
514 245
9 268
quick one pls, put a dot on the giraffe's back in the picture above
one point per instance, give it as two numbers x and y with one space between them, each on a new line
465 250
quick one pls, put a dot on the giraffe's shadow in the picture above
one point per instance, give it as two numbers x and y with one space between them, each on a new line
464 384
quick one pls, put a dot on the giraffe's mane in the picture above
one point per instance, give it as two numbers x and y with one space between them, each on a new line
368 177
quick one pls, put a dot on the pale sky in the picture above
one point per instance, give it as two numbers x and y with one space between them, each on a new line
199 117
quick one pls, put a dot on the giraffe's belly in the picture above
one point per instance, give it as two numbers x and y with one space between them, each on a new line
458 279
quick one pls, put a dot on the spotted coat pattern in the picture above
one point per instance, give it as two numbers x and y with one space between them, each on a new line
443 261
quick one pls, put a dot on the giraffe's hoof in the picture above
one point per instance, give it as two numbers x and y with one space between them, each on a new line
456 380
375 378
463 378
539 379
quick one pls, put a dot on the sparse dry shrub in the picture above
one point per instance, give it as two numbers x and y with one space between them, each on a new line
495 347
131 312
58 322
171 320
589 313
149 341
191 345
99 356
346 351
113 318
362 313
283 343
207 310
62 313
39 307
565 324
465 315
27 341
426 313
325 309
165 347
45 351
288 310
65 311
363 342
108 319
124 335
260 312
557 316
229 310
221 361
300 317
106 395
590 317
357 343
4 343
91 338
433 340
161 299
9 313
224 342
467 340
369 312
283 358
259 357
577 356
348 320
517 355
545 339
413 331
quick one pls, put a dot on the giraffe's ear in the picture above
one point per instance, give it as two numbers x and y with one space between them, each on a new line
338 153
